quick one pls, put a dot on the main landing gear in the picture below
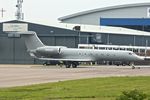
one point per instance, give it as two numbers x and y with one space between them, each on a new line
72 64
68 64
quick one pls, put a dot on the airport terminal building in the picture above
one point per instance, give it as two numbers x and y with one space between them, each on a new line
99 29
135 16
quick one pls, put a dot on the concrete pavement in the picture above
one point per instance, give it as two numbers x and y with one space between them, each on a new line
20 75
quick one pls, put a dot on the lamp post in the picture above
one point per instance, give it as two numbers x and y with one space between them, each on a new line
146 48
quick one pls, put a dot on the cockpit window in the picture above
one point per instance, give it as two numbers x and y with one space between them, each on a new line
130 53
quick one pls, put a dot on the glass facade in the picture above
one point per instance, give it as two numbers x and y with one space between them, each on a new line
142 24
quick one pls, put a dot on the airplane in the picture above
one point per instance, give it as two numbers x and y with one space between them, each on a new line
72 56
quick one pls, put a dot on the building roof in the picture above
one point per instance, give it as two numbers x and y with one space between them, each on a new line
103 9
105 29
113 30
94 28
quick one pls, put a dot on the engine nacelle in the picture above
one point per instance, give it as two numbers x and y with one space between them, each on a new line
48 50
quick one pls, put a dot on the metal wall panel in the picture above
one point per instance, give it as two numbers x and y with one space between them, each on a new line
48 40
20 52
6 50
139 41
66 41
121 40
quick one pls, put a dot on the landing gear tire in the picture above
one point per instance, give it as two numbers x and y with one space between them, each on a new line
45 64
71 64
68 66
74 66
133 67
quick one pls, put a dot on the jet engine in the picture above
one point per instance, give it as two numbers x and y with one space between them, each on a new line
48 50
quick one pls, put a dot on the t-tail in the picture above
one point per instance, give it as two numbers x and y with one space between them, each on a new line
31 39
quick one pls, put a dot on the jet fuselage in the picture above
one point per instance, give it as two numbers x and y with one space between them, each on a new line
90 54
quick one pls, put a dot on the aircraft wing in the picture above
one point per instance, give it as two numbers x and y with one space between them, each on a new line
52 59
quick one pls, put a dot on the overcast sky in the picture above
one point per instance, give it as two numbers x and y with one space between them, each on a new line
48 11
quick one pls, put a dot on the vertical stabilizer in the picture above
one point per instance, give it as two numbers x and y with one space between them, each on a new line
31 40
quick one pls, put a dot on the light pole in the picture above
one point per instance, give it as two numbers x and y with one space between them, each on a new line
146 48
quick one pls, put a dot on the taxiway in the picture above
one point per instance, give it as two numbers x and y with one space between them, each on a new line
20 75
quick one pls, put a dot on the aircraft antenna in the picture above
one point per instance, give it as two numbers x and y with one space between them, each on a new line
19 14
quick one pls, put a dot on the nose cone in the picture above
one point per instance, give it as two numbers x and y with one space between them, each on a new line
139 57
134 57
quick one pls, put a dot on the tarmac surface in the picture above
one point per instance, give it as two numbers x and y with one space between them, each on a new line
20 75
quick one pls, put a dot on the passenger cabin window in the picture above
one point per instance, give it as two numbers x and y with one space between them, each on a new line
109 48
82 47
115 48
102 48
95 47
122 48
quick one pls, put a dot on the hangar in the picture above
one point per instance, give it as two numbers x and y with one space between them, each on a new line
13 50
135 16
